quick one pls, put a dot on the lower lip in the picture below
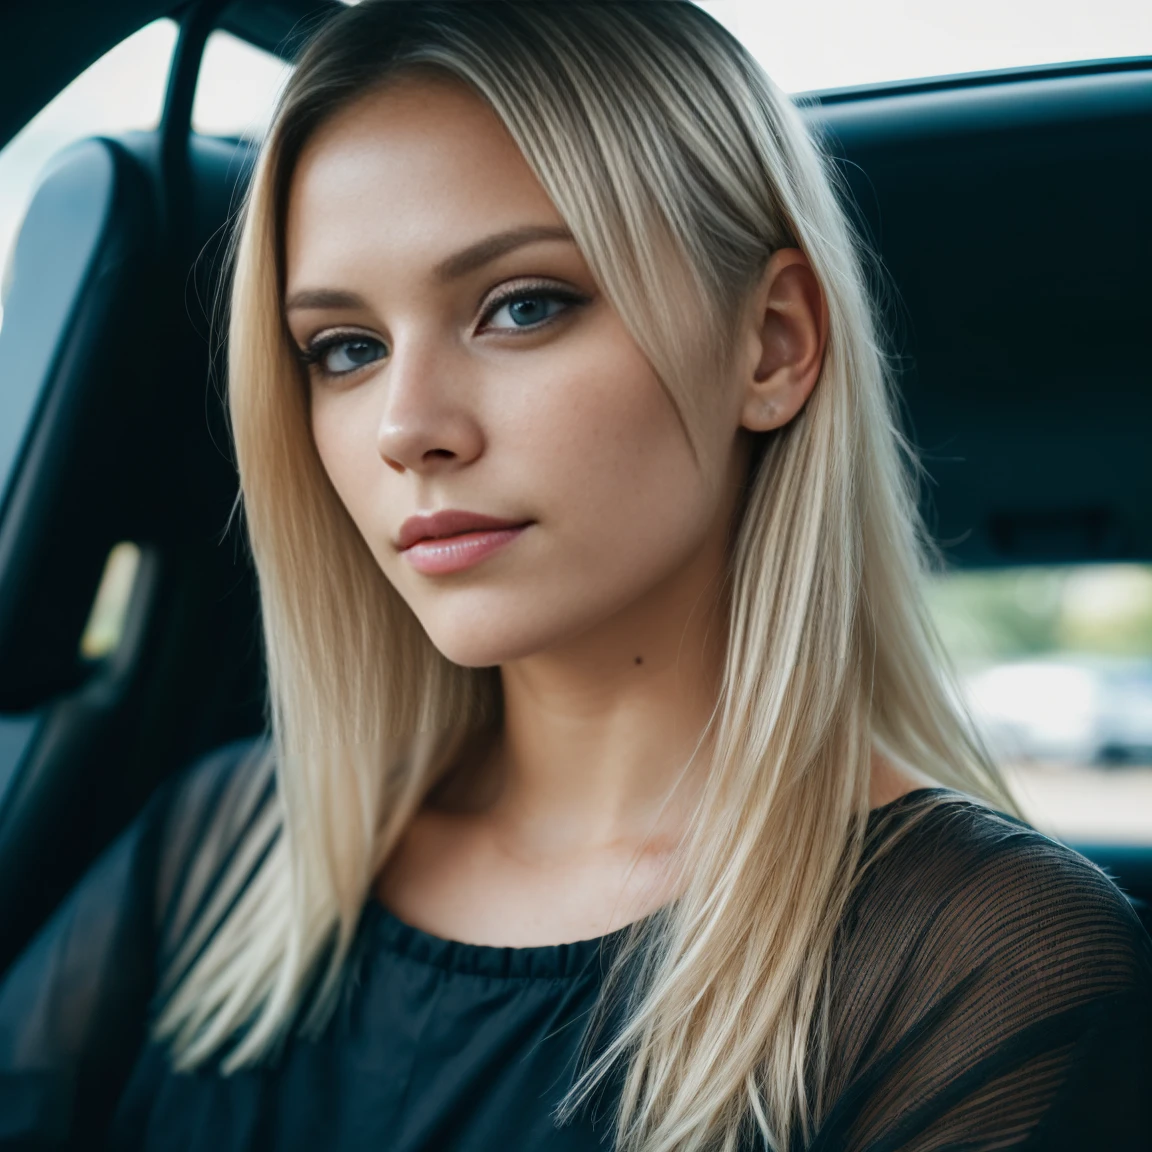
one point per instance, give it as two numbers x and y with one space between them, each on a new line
455 553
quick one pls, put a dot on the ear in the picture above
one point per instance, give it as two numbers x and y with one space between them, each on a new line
786 333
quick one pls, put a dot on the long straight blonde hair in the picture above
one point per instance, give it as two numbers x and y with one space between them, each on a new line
672 158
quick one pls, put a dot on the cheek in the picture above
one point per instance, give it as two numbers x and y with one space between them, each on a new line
343 430
616 461
595 451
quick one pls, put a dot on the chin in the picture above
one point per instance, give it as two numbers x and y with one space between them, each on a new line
482 638
484 647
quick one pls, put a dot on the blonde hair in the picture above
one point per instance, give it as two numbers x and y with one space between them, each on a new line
672 158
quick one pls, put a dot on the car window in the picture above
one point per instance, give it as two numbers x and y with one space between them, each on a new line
237 88
839 43
1055 665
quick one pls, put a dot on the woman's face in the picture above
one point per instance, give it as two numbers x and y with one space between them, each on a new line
462 357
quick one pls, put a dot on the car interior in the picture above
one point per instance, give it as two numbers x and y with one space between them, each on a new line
1010 212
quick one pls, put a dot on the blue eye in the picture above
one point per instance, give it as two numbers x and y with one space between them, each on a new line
527 309
339 355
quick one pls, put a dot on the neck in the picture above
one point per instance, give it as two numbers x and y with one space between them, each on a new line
600 738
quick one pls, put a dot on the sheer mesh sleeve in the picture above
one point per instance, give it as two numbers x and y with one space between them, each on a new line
74 1005
990 989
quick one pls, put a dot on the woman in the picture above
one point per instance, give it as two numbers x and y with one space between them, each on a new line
614 795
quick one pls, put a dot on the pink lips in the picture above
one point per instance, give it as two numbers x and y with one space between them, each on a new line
452 540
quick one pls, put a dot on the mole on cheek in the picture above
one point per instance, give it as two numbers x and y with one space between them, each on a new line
639 659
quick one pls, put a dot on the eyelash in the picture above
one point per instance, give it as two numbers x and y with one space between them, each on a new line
542 291
313 355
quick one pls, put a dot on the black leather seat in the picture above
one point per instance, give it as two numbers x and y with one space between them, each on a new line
120 435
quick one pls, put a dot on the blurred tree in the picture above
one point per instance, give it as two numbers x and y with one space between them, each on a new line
1011 613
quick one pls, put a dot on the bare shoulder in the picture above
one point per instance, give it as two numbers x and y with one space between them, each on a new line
888 783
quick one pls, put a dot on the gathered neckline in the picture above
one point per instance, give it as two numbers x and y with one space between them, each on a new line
500 961
533 961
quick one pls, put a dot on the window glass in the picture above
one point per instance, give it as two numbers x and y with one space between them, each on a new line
237 88
838 43
124 89
1055 665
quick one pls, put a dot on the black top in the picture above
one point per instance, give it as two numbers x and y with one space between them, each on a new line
990 989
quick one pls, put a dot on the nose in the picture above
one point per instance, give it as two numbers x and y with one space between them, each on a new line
427 424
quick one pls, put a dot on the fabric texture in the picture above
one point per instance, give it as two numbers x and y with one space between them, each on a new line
989 989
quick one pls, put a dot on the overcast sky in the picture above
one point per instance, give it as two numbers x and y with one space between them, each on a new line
806 44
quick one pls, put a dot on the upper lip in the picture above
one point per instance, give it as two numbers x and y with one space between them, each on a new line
451 522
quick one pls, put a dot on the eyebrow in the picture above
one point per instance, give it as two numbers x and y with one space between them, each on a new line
486 250
317 298
459 264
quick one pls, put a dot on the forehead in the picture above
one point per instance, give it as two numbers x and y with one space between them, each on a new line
416 169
